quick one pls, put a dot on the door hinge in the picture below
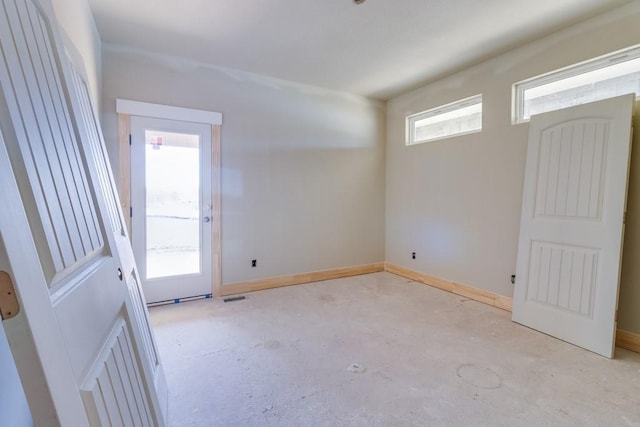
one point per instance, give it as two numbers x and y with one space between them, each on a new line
9 306
129 139
130 211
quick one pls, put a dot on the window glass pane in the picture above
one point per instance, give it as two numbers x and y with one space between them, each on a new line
460 117
606 77
172 169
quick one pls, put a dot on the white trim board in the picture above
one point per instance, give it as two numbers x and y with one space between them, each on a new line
159 111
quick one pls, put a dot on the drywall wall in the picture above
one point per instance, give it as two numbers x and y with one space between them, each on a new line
302 167
14 409
457 202
13 403
76 23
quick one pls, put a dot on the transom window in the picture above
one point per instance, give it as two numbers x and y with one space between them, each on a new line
457 118
610 75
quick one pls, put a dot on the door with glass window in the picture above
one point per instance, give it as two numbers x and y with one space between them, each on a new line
171 207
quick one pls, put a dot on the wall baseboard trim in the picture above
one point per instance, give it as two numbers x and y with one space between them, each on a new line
627 340
486 297
298 279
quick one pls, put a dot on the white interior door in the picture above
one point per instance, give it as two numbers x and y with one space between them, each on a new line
82 342
571 229
171 200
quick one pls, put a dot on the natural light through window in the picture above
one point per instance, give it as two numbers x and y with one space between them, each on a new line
611 75
457 118
172 187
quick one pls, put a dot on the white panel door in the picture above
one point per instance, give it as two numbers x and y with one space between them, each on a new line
82 342
571 229
172 208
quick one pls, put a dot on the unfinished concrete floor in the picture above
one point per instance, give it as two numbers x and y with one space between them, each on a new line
379 350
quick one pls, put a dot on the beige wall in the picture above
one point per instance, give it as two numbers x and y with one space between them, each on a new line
302 168
14 409
76 22
456 202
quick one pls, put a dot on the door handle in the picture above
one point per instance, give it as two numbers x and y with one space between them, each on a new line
207 219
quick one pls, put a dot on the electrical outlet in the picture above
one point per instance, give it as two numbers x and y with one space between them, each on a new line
254 263
413 255
513 279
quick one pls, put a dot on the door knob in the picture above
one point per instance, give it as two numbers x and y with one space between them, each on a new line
207 219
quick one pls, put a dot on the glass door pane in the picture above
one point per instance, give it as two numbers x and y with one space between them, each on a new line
172 182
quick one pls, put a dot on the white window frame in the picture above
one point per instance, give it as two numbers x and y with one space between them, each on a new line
412 119
601 62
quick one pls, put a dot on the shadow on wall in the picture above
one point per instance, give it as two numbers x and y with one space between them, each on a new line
301 210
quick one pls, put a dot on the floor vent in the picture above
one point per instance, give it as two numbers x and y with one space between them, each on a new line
232 299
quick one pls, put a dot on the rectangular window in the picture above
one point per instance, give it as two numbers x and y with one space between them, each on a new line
617 73
457 118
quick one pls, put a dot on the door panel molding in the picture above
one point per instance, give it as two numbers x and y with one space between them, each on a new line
571 231
113 391
133 310
37 375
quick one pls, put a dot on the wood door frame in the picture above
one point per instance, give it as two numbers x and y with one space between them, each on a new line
125 109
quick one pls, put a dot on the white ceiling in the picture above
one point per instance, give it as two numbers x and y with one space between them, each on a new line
377 49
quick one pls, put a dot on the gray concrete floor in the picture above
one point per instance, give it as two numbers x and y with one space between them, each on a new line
379 350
